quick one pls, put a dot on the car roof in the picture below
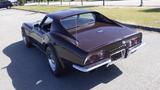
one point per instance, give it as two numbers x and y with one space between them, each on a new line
66 13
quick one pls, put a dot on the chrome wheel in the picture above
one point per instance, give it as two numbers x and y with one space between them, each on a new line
51 60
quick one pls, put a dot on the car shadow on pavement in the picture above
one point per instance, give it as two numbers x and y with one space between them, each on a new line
29 71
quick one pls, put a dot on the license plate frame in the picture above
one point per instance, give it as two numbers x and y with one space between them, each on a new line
118 55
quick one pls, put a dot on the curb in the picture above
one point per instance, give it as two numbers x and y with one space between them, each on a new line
129 25
31 10
143 27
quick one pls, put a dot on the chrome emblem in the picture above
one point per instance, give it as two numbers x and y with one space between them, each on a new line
123 42
100 31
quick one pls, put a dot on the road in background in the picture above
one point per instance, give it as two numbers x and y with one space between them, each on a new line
27 69
151 3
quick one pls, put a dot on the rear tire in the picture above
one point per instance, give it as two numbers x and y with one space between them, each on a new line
9 7
53 61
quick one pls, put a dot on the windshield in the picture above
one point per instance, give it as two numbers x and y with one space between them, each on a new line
78 20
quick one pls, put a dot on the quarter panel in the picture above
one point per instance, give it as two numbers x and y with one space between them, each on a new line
67 50
68 55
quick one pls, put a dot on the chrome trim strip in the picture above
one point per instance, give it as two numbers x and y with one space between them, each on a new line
133 49
92 66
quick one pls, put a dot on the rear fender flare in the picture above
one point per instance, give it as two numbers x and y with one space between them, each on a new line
60 60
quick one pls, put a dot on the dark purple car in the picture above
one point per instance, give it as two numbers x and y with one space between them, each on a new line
82 39
5 4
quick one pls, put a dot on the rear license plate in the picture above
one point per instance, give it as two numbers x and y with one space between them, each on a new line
117 55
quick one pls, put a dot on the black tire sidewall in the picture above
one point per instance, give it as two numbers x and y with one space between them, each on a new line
28 42
58 68
9 7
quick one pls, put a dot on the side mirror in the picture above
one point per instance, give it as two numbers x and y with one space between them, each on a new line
36 25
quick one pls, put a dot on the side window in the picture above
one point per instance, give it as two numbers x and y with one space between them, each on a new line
78 20
46 26
87 18
69 22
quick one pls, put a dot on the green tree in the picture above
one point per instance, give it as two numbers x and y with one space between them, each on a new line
21 2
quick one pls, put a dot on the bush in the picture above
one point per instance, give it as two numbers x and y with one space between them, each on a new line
21 2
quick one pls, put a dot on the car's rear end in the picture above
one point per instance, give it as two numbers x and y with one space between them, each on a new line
8 4
107 53
104 40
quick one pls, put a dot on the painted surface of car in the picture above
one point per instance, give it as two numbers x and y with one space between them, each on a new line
83 39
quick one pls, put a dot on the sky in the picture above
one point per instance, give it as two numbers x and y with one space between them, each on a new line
12 0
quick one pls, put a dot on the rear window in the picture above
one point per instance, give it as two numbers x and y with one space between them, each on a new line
78 20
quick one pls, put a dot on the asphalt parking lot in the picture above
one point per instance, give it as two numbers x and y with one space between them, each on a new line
27 69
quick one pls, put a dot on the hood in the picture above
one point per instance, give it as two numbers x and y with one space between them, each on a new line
93 38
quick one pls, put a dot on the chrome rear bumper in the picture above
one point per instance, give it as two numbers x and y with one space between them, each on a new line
92 66
133 49
103 62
